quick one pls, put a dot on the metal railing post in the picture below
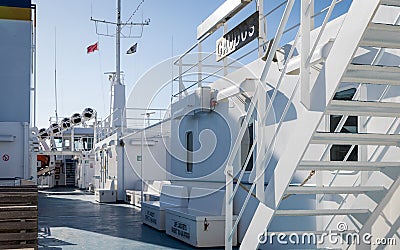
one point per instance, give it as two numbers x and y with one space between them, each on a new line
305 26
225 60
228 206
199 56
262 30
180 79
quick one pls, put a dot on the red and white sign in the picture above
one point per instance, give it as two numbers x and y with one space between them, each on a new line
6 157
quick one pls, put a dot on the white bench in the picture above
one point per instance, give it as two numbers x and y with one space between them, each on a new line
151 192
202 223
153 212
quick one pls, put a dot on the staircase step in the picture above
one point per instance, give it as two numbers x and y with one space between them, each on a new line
320 212
382 36
391 2
362 108
372 74
332 190
346 165
356 139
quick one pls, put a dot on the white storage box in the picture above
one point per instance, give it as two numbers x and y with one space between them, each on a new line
151 192
153 212
202 224
106 196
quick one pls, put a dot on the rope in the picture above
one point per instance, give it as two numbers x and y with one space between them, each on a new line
242 185
310 175
134 12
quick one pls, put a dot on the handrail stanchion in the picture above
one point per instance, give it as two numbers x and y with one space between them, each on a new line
229 174
305 27
199 66
180 79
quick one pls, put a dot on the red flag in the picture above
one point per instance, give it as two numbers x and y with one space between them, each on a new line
92 48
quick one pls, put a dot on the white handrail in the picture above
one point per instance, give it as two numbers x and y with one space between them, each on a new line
239 180
264 158
265 116
277 39
326 19
263 119
229 173
229 170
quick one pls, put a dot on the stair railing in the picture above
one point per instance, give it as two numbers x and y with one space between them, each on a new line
229 170
269 148
229 230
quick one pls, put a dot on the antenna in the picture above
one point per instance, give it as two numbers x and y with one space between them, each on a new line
108 32
55 71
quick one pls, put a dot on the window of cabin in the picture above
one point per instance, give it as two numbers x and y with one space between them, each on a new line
247 142
189 151
339 152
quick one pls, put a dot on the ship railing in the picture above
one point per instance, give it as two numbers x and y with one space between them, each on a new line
192 74
129 120
141 118
230 228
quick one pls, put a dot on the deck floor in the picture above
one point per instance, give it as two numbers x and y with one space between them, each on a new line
75 221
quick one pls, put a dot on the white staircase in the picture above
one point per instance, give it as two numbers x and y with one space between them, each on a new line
347 178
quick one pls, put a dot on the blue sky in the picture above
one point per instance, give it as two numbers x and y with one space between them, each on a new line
80 79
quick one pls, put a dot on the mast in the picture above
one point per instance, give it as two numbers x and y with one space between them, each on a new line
117 87
118 44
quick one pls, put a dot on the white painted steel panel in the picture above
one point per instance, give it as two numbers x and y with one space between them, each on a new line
228 9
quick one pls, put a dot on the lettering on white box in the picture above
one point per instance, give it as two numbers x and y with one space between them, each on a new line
150 217
180 229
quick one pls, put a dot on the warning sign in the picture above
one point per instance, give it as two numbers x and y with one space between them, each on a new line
6 157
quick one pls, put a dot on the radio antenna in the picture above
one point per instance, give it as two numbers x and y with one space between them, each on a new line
55 71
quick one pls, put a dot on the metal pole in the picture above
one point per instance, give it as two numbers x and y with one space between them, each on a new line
277 39
94 131
73 139
261 148
55 71
34 67
262 37
180 79
118 44
228 206
261 104
141 167
305 26
199 84
225 60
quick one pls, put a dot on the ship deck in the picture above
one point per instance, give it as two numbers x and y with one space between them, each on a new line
71 219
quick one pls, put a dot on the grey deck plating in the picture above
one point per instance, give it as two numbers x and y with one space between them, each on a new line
78 222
